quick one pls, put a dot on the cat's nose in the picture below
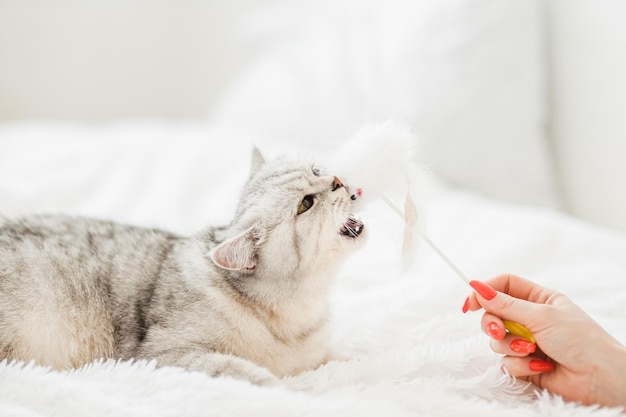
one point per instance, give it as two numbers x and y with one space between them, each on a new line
337 184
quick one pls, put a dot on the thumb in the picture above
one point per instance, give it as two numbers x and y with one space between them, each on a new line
503 305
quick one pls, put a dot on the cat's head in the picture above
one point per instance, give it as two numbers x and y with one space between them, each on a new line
293 219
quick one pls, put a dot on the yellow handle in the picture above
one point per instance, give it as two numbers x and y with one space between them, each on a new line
519 330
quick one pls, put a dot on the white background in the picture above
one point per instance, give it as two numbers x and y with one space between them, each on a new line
101 61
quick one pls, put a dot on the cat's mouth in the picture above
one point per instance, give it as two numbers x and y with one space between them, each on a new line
352 228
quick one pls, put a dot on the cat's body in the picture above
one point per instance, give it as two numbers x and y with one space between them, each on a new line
237 300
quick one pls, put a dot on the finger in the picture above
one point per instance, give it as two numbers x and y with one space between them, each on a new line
520 288
493 326
505 306
526 366
514 286
502 341
512 345
471 303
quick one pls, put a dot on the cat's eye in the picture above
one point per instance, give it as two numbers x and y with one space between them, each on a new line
306 203
316 172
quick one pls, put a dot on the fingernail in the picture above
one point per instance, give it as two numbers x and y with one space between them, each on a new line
466 305
494 331
522 346
537 365
483 289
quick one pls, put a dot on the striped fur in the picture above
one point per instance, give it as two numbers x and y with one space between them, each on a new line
246 300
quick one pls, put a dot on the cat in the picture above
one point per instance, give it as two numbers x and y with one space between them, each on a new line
246 300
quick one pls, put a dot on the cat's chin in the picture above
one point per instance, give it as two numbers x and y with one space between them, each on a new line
352 228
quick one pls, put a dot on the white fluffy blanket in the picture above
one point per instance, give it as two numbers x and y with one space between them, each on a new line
411 351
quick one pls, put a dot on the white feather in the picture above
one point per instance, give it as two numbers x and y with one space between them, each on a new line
377 159
380 162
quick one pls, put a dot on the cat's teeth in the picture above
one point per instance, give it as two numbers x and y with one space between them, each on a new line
352 228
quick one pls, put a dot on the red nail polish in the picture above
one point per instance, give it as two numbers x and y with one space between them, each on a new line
494 331
484 290
537 365
522 346
466 305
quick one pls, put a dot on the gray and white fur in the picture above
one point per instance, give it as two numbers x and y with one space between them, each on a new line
246 300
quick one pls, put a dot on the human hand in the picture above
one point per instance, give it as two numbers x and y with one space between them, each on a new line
574 357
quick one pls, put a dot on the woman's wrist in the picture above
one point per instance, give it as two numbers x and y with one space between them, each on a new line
608 385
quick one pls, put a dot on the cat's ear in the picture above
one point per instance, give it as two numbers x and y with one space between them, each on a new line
257 161
238 253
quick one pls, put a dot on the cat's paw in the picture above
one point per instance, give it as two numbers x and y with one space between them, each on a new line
262 377
335 357
239 368
218 364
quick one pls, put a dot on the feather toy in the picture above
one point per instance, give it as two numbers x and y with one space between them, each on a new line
381 160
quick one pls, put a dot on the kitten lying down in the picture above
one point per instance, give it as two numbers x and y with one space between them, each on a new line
246 300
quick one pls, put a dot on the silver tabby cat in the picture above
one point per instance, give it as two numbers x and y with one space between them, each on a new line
246 300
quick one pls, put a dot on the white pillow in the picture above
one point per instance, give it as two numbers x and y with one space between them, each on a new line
467 75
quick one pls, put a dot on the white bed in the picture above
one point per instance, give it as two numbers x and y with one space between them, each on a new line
412 350
479 80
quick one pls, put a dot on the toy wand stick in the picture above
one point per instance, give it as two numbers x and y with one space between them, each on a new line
410 219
